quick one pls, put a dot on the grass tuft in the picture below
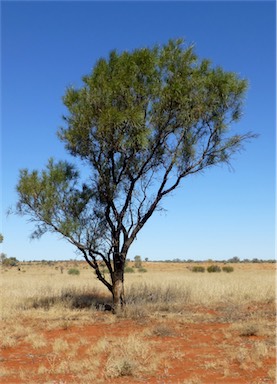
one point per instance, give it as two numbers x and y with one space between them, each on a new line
162 330
130 356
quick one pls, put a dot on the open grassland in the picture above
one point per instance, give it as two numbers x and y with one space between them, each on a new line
178 326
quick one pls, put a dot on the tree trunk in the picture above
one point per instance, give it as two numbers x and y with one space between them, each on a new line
118 291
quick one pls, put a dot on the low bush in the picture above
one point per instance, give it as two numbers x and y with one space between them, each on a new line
10 262
73 271
129 270
227 269
142 270
198 268
213 268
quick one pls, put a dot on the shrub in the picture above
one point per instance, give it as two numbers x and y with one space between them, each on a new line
227 269
129 270
213 268
9 262
142 270
198 268
73 271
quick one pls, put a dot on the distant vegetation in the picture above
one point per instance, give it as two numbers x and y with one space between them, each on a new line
73 271
213 268
137 263
8 261
234 259
198 268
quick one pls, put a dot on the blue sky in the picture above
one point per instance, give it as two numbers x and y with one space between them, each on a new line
46 46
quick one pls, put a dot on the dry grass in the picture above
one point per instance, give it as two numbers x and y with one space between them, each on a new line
44 288
162 330
36 340
130 356
42 299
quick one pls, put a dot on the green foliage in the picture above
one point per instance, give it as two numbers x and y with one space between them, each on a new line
73 271
198 268
9 261
138 262
227 269
129 270
213 268
141 122
1 238
142 270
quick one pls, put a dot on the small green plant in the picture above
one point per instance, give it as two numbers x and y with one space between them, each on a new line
198 268
129 270
73 271
142 270
227 269
213 268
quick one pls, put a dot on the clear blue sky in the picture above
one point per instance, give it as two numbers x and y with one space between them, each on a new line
47 46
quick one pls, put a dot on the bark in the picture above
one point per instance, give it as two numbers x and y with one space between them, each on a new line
118 291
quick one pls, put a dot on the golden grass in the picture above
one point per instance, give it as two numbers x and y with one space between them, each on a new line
44 289
45 299
130 356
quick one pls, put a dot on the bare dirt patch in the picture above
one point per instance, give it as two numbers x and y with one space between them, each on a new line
157 350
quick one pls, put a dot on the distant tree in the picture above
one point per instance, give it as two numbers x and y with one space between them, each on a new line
138 261
10 262
142 122
176 260
234 259
1 238
255 260
3 256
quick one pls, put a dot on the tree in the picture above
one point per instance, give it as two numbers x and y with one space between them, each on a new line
234 259
3 257
9 261
142 122
1 238
138 262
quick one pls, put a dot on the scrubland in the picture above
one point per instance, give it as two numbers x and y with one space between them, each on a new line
178 326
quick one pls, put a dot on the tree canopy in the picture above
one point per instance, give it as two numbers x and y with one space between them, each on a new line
142 122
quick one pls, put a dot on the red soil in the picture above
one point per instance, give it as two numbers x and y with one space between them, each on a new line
194 353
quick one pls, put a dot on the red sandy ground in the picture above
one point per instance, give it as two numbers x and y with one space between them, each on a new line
197 344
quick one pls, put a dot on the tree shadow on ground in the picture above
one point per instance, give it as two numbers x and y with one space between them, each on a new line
72 299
